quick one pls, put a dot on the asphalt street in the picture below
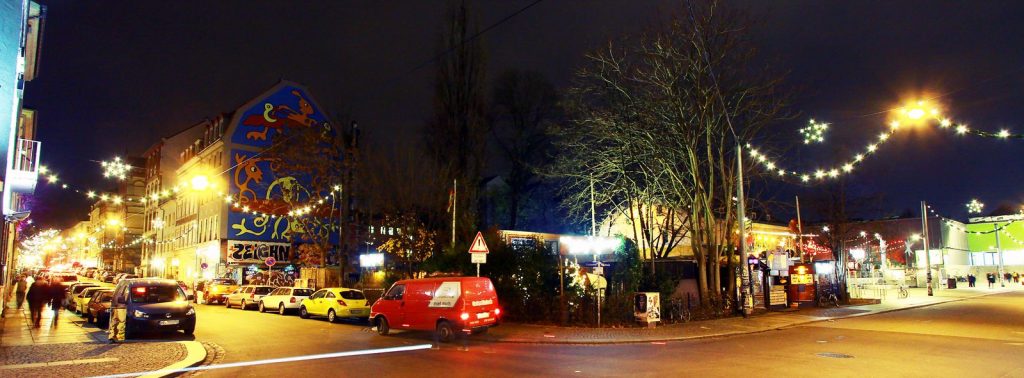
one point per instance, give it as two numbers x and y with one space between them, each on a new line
981 337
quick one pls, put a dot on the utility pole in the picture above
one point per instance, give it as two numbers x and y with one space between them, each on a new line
799 231
741 221
455 207
999 249
927 252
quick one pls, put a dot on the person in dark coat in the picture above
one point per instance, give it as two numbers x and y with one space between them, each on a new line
38 295
57 293
970 280
991 280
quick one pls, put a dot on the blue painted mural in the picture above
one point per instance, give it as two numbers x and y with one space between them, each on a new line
262 198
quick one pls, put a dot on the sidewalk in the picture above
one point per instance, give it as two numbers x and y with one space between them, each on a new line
70 347
524 333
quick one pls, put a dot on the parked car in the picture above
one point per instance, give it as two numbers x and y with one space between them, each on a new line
334 303
150 304
98 310
217 290
284 299
74 290
83 297
88 272
108 277
439 304
248 295
65 278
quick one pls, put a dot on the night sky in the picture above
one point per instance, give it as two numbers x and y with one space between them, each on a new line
118 75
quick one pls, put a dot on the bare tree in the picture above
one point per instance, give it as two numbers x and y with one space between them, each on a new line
657 118
457 134
524 104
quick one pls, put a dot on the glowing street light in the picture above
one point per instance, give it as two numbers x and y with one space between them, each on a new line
200 183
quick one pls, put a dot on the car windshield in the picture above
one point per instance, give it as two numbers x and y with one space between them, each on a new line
302 292
352 294
157 294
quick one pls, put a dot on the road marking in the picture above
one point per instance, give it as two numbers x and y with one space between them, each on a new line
353 353
59 363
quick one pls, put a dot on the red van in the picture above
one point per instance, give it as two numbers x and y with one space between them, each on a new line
443 304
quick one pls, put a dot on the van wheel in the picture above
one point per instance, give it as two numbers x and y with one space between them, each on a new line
331 316
303 313
444 331
382 326
262 309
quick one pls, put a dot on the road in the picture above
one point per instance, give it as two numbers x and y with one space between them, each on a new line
977 337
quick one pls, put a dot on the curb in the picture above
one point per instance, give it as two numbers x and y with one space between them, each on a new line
196 353
735 333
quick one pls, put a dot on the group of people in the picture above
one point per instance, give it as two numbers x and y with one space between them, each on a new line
992 277
39 293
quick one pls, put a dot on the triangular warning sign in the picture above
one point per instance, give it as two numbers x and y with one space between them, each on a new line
479 245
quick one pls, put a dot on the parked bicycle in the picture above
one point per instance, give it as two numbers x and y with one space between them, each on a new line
827 297
678 311
903 292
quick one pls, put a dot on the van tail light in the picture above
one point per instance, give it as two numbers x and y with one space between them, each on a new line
497 311
341 302
291 300
464 316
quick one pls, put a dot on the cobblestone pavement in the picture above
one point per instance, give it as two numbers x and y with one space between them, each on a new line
86 359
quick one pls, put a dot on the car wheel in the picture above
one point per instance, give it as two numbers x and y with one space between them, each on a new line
331 316
303 313
444 331
280 309
262 309
88 317
244 306
227 303
382 326
189 330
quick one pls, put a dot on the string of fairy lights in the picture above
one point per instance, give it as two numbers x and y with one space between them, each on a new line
918 113
119 169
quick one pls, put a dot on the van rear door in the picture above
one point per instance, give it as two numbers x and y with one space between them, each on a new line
480 301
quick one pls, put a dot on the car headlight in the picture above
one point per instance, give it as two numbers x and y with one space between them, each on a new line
140 314
191 311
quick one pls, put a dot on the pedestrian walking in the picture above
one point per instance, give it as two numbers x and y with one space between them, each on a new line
970 280
21 288
1016 277
37 296
56 299
991 280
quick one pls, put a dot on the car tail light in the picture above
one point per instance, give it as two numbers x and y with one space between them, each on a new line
497 311
464 316
341 302
140 290
291 300
252 296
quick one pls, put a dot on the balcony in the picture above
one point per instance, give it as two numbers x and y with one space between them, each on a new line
24 170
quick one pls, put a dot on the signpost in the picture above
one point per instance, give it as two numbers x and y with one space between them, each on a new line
478 251
270 261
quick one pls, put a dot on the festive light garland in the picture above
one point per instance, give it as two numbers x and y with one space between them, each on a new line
919 113
974 207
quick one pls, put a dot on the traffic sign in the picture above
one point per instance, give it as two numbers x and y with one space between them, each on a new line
478 258
270 261
478 245
203 266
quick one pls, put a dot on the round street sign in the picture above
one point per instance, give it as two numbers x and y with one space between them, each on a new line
270 261
204 266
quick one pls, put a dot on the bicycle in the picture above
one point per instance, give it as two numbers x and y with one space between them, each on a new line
827 297
903 292
678 311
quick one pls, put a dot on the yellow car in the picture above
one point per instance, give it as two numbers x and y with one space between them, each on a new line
83 298
334 303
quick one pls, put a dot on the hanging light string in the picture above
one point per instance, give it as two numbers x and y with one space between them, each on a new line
919 113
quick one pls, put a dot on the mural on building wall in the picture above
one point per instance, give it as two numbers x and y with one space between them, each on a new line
263 198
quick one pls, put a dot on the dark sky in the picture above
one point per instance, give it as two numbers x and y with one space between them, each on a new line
117 75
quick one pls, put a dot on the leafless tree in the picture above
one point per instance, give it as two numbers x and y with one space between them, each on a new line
456 135
657 119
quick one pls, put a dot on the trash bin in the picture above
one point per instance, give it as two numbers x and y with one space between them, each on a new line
951 283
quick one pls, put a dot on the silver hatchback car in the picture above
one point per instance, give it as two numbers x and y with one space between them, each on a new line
248 296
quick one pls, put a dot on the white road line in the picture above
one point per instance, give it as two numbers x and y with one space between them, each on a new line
59 363
281 360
